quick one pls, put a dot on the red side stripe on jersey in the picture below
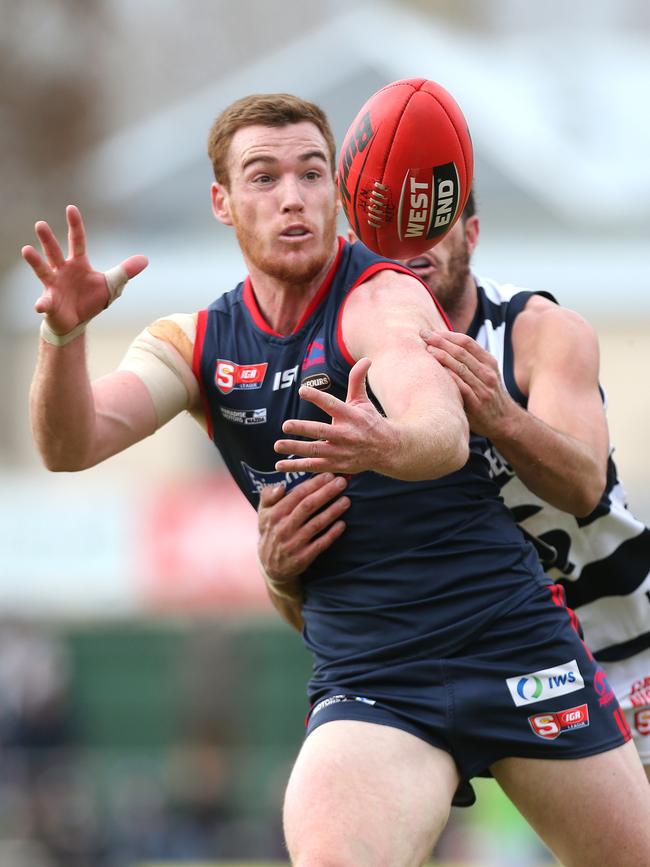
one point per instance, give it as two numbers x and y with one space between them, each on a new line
621 722
363 277
559 599
201 325
252 306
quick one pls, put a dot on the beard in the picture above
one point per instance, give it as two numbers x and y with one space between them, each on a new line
448 285
295 270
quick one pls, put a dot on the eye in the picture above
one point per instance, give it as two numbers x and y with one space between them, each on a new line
312 175
262 179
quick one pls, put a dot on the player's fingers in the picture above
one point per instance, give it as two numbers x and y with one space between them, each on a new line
134 265
466 391
305 465
323 519
317 510
270 495
292 447
76 232
292 501
37 264
314 430
357 381
50 245
327 402
324 541
458 344
469 370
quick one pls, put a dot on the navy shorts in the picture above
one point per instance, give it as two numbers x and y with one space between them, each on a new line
527 686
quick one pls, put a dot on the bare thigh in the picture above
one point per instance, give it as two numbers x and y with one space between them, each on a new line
366 795
590 812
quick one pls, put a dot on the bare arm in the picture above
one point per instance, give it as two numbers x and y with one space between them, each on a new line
558 446
75 423
424 433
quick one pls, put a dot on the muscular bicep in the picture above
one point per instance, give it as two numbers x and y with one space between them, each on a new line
124 413
382 320
559 370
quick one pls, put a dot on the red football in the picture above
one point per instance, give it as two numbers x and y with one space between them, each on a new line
405 168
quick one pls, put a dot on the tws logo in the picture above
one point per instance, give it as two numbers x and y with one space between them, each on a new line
530 688
546 684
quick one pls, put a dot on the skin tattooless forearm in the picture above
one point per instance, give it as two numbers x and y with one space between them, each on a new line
61 405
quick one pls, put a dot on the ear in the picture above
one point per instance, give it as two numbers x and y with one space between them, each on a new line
221 204
472 231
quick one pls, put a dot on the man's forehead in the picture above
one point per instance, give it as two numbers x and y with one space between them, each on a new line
275 141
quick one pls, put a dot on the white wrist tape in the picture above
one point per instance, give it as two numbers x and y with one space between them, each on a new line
55 339
277 587
116 280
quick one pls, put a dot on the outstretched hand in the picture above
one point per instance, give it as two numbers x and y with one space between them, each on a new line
359 438
476 373
73 292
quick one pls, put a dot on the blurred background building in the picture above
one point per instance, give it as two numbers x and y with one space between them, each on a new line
150 702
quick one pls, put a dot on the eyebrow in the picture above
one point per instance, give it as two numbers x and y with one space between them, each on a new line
267 160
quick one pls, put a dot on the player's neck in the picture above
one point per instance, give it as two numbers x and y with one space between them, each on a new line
281 303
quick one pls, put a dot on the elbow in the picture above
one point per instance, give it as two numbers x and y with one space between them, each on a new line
57 465
458 449
586 497
63 462
462 455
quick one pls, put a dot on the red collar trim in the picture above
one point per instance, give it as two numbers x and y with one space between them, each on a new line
251 301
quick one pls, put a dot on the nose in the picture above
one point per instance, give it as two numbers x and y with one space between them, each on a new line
291 198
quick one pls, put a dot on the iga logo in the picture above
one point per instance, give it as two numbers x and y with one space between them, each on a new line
546 684
230 376
550 725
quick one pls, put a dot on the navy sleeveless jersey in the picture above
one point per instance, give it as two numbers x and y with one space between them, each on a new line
422 567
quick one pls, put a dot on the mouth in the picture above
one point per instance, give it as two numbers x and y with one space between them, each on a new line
421 265
295 233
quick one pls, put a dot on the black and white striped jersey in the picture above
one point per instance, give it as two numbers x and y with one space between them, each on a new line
602 560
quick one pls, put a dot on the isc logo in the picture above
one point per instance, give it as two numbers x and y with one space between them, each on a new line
285 378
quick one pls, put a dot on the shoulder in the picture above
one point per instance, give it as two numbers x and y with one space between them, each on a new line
541 320
547 339
178 330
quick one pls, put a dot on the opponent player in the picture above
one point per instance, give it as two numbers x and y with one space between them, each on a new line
534 393
438 647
